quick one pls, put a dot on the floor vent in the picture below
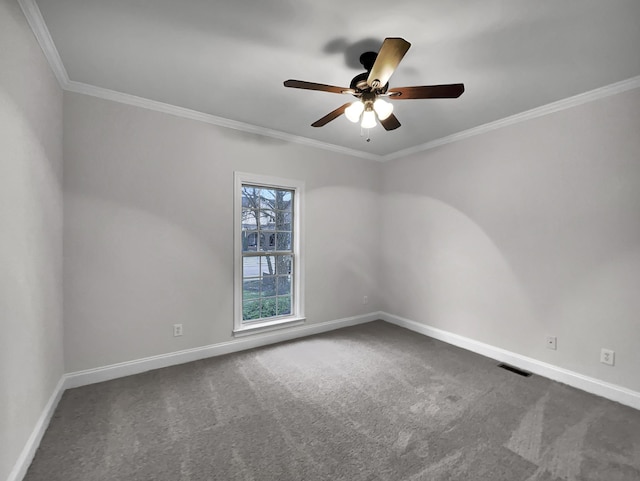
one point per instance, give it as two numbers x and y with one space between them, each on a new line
519 372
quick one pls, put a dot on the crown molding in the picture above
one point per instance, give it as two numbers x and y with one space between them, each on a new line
41 32
106 94
564 104
36 22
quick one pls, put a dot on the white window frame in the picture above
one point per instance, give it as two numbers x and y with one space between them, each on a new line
297 312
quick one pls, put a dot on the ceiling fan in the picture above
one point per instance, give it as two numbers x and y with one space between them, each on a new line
371 86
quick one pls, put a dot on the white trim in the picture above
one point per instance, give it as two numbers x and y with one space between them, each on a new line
114 96
114 371
249 330
41 32
595 386
585 383
569 102
26 456
298 186
553 107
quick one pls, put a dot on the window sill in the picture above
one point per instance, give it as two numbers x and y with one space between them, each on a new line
268 326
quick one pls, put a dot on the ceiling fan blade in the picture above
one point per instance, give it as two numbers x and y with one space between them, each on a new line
451 91
390 123
330 116
301 84
389 56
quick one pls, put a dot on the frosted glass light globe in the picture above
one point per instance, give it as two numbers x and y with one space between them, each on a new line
368 119
353 111
382 108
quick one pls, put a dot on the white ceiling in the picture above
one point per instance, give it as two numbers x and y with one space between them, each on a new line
228 58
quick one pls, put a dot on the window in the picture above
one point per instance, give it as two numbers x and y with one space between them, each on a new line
268 261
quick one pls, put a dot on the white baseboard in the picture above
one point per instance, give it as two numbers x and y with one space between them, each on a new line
75 379
26 456
106 373
90 376
585 383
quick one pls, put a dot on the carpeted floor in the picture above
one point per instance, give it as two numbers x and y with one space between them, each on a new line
368 403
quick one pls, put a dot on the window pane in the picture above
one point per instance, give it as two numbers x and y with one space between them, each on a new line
249 241
283 265
283 241
267 219
251 310
269 307
267 198
267 241
283 285
250 197
268 286
283 200
268 265
250 267
250 289
282 220
249 219
284 305
266 226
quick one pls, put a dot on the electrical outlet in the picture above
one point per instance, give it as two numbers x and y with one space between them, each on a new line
365 300
552 342
177 330
607 356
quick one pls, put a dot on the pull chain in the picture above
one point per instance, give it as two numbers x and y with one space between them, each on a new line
368 139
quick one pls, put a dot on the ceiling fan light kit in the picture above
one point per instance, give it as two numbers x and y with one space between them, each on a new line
368 119
367 111
369 88
383 108
354 111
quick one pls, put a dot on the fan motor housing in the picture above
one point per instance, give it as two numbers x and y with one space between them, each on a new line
359 83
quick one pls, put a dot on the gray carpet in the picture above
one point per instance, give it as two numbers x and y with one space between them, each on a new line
372 402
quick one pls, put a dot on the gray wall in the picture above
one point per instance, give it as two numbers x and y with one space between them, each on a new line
149 229
31 359
506 238
525 232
